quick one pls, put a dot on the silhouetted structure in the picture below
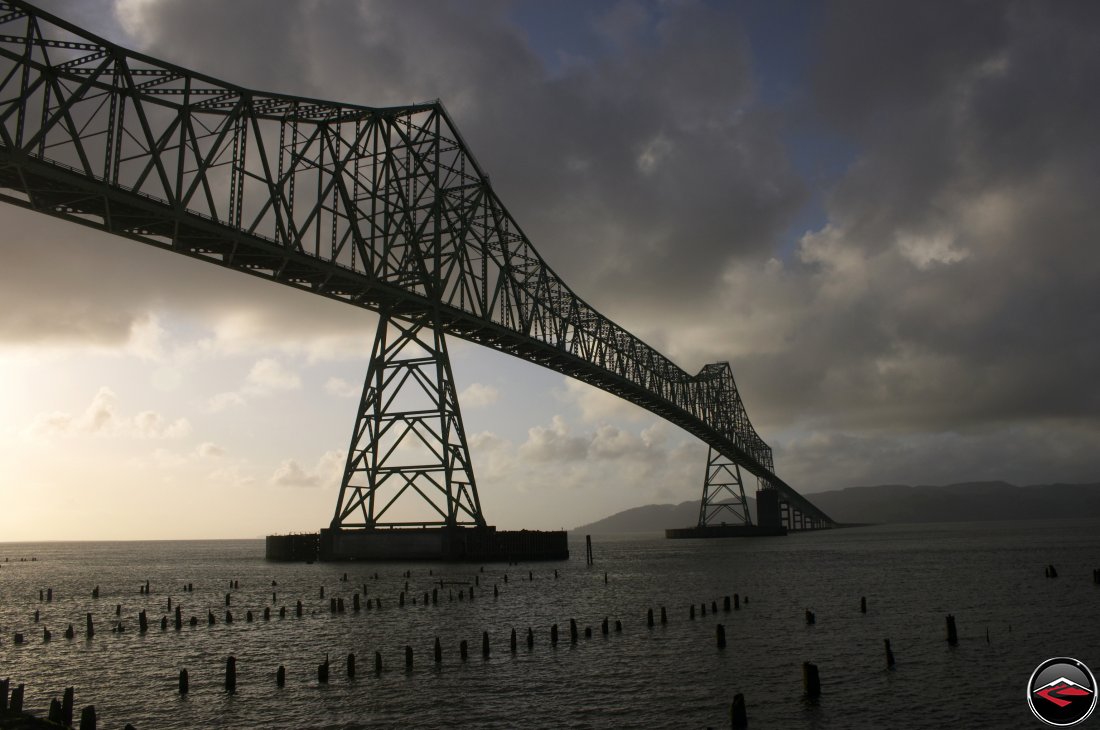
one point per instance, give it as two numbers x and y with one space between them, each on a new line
384 209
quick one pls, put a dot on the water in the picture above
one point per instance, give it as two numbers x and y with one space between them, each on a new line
989 575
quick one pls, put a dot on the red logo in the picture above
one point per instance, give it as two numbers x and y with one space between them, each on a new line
1062 692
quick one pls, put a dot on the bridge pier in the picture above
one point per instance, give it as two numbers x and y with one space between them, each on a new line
408 464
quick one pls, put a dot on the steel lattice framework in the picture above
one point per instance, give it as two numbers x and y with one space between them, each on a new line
382 208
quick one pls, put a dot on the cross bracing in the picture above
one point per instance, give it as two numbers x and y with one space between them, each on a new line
375 207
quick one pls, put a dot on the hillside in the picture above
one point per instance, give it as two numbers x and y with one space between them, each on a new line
965 502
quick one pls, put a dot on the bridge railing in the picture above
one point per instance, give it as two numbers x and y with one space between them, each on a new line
389 195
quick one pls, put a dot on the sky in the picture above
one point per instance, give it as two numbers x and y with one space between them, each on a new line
882 214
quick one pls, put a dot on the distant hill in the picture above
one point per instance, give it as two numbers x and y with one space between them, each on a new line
966 502
650 518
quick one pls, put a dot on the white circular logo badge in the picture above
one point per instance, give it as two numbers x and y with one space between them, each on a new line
1062 692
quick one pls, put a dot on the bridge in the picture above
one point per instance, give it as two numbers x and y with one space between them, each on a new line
381 208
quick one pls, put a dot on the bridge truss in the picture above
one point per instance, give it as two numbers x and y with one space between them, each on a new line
381 208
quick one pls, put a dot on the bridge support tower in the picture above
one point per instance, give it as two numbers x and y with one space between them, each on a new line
723 493
408 490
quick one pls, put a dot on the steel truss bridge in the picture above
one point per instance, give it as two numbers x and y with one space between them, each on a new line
380 208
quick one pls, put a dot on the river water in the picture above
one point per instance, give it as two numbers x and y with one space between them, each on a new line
990 576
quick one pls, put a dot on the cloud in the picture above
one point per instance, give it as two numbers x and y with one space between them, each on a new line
102 418
224 401
269 375
209 450
557 442
342 388
596 405
326 473
478 395
150 424
554 443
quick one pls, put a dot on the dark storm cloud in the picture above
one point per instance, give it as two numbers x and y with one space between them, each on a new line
955 285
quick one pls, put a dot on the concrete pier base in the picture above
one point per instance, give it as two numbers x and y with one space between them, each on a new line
709 531
470 544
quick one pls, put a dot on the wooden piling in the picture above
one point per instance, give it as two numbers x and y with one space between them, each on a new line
496 591
143 621
46 635
738 717
485 644
280 676
463 650
691 612
811 619
95 592
179 619
603 626
67 707
649 617
512 641
267 613
588 549
322 671
720 636
231 674
736 601
248 617
69 633
438 651
229 617
664 616
726 604
554 635
588 632
89 630
952 634
15 705
163 623
227 597
811 681
184 683
88 718
714 606
530 638
408 657
49 599
298 609
889 654
618 626
351 666
5 684
573 630
282 611
377 662
863 604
